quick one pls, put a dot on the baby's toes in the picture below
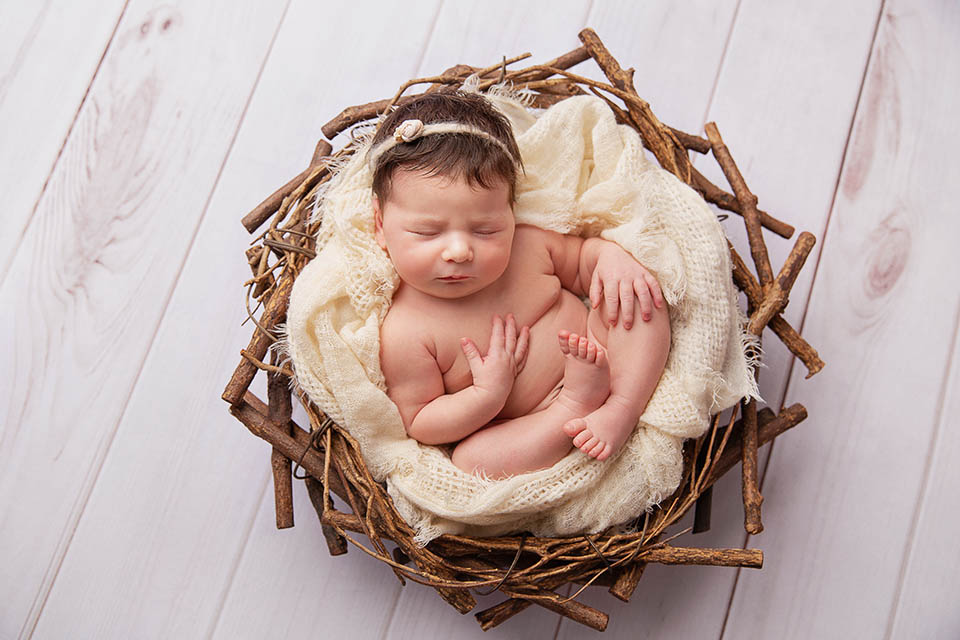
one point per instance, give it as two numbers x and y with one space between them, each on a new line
605 452
591 355
595 450
601 357
583 439
563 338
574 427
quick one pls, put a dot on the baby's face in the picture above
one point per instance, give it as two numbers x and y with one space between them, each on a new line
446 238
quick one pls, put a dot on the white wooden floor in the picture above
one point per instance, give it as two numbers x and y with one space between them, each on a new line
133 136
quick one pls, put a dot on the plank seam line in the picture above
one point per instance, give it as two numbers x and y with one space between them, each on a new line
423 53
97 468
733 591
50 577
948 381
833 204
239 558
826 224
723 62
23 49
816 269
56 160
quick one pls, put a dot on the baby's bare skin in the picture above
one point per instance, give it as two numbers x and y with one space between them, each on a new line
553 374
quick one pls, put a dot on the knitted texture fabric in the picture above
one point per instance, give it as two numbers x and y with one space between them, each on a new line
584 175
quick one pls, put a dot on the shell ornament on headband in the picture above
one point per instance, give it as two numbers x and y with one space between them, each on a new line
408 131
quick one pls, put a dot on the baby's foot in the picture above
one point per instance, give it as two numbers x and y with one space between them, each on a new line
586 374
601 433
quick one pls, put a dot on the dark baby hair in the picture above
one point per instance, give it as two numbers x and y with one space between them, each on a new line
477 159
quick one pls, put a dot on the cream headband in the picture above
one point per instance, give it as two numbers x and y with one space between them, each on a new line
410 130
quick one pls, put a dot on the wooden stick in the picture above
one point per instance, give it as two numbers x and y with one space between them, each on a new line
274 313
748 203
576 611
336 543
279 412
690 141
701 513
650 128
262 212
777 294
752 499
750 558
787 334
627 580
567 60
770 426
352 115
716 195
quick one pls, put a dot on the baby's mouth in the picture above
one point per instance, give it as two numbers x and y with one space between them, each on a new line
454 278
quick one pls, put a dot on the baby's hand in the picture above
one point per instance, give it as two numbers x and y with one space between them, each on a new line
616 278
496 371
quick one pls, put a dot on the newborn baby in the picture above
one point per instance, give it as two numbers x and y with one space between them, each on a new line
487 343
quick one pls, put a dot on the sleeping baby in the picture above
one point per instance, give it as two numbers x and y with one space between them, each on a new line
487 345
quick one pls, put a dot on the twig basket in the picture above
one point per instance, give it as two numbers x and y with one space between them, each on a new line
526 569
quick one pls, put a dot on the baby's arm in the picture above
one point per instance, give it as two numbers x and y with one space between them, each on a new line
415 384
605 271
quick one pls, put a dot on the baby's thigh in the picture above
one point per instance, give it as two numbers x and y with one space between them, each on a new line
598 331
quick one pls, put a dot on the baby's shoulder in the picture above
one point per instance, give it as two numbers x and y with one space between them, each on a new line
405 330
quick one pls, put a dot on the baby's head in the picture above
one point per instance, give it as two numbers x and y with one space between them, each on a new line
462 136
445 169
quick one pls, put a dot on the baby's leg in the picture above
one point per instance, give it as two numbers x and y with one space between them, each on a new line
637 358
537 440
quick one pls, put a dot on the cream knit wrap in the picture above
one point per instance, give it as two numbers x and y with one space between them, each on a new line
585 175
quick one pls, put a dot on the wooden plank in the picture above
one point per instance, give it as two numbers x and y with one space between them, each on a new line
288 586
841 491
761 71
927 603
220 571
85 296
49 53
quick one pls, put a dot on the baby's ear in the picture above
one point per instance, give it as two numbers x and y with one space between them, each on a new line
378 223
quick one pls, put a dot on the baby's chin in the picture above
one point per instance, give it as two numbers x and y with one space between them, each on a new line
448 290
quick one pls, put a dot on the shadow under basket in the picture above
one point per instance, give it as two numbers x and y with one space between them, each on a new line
528 570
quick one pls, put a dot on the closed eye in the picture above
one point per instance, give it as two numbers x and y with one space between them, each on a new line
424 233
486 232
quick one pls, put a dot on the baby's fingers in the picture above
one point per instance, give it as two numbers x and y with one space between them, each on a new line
595 289
654 287
612 297
643 299
523 347
496 335
626 303
474 360
510 334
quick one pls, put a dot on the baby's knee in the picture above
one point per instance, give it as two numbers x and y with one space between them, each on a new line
467 456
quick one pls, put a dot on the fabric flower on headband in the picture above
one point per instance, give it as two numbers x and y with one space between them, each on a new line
408 131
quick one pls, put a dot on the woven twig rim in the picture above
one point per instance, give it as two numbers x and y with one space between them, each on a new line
527 569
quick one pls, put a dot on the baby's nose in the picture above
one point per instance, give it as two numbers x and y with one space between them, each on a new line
458 250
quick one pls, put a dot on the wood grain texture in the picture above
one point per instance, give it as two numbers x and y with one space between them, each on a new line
242 555
86 294
926 606
49 53
123 478
841 491
760 73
